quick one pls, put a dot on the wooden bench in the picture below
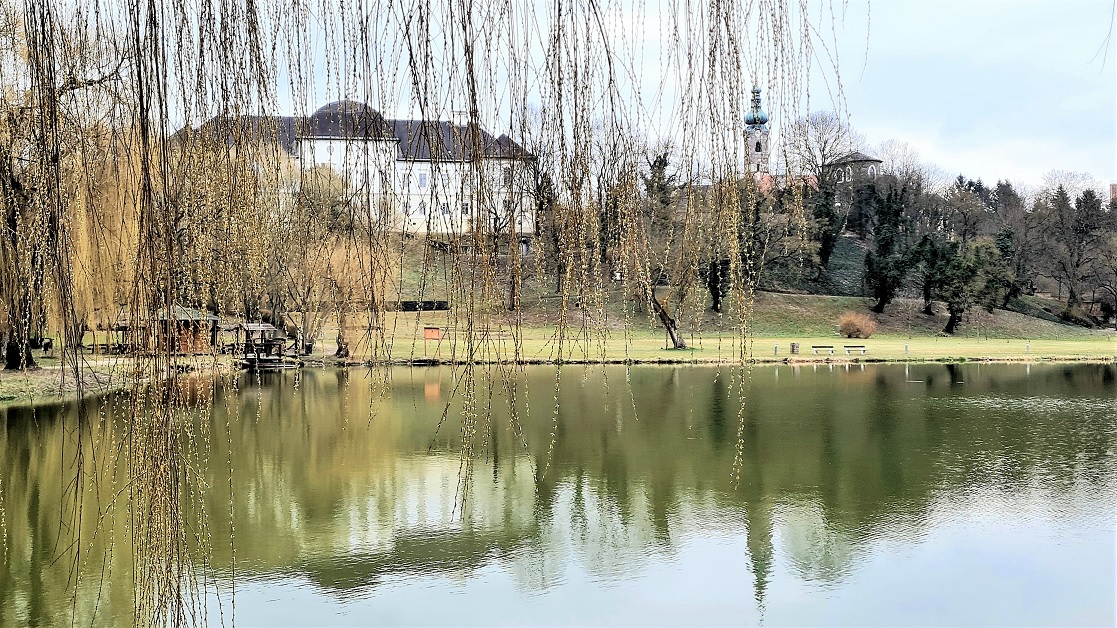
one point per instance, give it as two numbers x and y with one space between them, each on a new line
103 348
849 348
494 332
816 348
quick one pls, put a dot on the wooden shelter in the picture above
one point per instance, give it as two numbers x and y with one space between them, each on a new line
185 330
129 335
178 329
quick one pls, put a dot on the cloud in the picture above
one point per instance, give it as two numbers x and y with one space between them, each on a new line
992 89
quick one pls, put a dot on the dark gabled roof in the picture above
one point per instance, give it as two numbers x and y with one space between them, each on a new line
506 148
855 157
232 130
346 119
421 140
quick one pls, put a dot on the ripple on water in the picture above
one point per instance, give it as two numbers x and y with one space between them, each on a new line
1038 405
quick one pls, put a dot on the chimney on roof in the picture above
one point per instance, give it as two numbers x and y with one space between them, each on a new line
1113 191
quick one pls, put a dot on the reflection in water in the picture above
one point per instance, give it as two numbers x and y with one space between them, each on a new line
340 490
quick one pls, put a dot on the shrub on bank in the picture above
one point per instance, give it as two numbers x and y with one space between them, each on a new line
856 325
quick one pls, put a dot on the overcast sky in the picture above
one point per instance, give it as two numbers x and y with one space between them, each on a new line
991 89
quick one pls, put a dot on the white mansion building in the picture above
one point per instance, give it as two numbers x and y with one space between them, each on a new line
418 176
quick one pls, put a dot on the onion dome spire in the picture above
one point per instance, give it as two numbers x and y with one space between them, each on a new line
756 116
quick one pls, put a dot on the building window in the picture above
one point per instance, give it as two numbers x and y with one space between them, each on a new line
507 176
758 147
422 180
465 208
385 181
422 208
872 172
445 209
849 173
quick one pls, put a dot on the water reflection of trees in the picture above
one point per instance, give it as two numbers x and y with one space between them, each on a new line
42 543
350 481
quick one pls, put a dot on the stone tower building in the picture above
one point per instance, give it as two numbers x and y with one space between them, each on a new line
756 132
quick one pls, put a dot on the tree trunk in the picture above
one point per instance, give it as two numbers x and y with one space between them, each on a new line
514 276
25 323
17 355
559 272
304 331
1074 301
669 323
342 338
1013 292
954 320
713 284
879 307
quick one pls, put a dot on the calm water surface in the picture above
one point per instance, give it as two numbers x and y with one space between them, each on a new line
887 495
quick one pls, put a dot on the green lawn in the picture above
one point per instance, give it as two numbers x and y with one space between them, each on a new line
641 342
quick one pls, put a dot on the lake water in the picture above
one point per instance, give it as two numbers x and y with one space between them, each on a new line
883 495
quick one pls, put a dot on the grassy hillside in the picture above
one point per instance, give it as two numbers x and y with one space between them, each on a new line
424 273
779 315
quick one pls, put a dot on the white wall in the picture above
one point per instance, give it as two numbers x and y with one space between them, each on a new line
429 197
359 162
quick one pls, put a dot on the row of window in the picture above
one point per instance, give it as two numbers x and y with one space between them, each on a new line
506 178
843 176
385 177
444 208
424 179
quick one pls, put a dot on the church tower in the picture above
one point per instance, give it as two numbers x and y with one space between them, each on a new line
756 133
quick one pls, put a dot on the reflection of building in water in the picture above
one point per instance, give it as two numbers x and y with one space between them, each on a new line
408 518
611 537
817 550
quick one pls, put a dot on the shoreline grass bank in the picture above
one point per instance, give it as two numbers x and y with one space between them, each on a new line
538 346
